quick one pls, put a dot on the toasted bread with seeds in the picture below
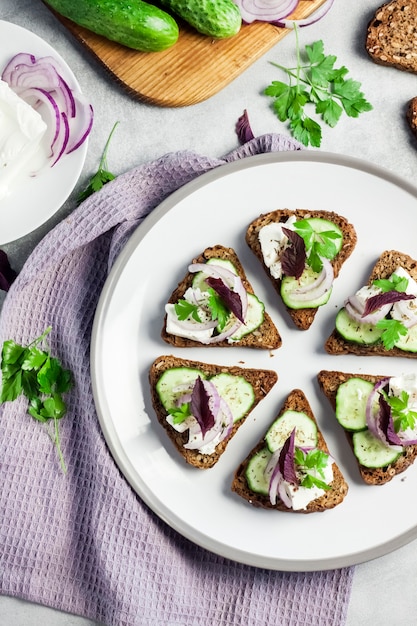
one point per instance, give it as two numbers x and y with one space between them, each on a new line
390 38
329 382
260 380
387 263
303 317
264 337
295 401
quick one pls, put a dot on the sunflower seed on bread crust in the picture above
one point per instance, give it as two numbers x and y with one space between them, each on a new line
329 382
302 318
262 381
295 401
392 35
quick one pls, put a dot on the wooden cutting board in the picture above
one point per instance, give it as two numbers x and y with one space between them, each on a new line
194 69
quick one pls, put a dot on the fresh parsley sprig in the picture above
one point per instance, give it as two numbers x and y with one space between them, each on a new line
310 464
403 417
32 371
316 82
317 245
102 176
392 331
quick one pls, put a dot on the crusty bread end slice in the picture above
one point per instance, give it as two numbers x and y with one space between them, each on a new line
389 37
265 337
387 263
261 380
302 318
329 382
295 401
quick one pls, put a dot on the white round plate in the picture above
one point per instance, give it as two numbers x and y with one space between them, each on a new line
35 199
216 209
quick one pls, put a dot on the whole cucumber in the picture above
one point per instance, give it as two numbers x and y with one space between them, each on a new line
132 23
216 18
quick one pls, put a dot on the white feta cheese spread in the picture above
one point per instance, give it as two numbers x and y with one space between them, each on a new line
174 328
300 496
21 131
273 242
406 310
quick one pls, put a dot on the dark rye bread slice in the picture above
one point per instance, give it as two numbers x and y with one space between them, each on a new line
391 37
295 401
387 263
411 115
261 380
329 382
265 337
302 318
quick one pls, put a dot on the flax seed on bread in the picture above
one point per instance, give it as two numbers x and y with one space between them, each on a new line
296 401
329 382
387 263
265 337
391 37
262 381
302 318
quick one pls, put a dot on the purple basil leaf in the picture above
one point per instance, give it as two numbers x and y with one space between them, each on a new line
7 274
389 297
243 128
286 462
386 422
200 408
231 299
293 259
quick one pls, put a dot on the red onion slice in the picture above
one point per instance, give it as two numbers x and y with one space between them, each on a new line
318 288
265 10
355 309
307 21
372 415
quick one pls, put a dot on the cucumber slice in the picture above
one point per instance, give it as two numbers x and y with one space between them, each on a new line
198 280
408 342
355 331
236 391
255 472
253 319
351 399
289 284
320 225
371 452
280 430
172 379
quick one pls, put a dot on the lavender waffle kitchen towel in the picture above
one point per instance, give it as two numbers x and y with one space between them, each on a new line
84 542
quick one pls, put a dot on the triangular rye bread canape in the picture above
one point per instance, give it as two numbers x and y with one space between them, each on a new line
215 305
291 469
201 406
302 252
379 416
380 319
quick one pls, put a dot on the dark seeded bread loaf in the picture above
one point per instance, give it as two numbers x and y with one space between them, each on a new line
295 401
262 382
387 263
391 36
302 318
329 382
265 337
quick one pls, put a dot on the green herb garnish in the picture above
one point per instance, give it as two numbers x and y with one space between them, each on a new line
32 372
184 310
317 244
402 416
319 83
392 331
395 283
309 464
219 310
180 413
102 176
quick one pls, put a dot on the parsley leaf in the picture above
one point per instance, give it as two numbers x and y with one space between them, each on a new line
32 372
180 413
185 309
310 464
319 83
402 417
102 176
395 283
392 331
318 245
219 310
